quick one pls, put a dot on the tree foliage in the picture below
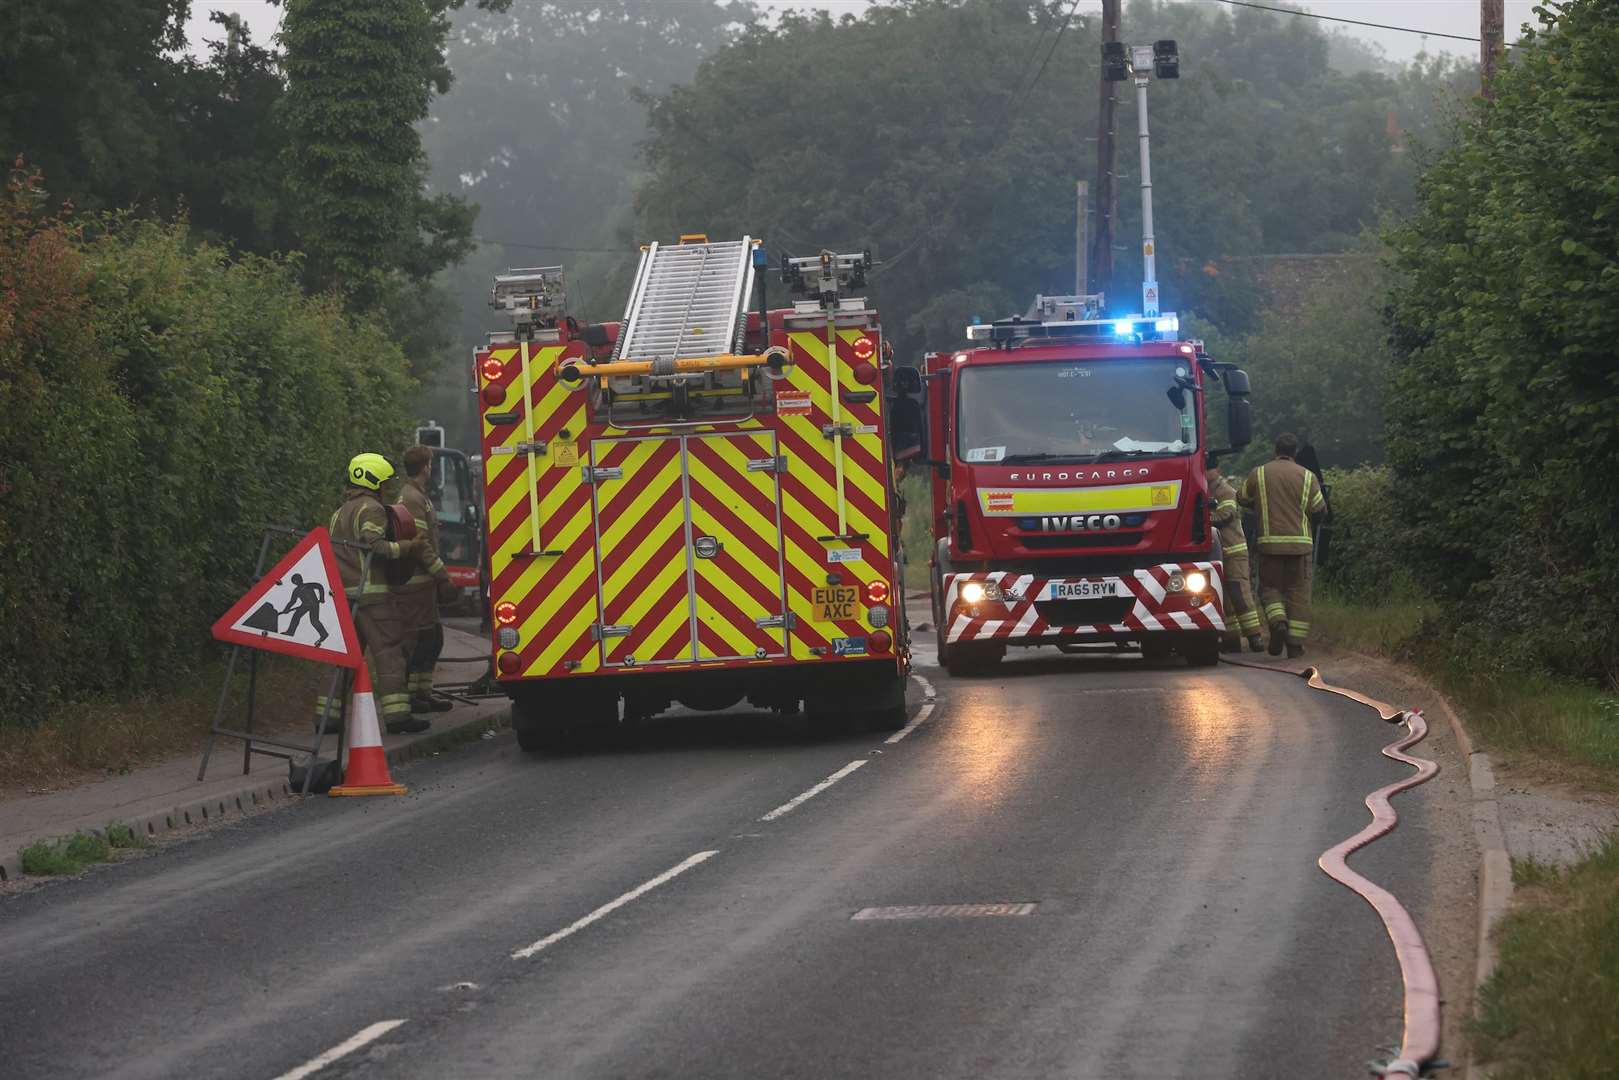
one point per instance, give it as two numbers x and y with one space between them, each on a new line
938 134
1504 404
359 79
158 404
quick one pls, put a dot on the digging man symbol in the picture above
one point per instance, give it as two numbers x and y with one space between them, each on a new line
307 597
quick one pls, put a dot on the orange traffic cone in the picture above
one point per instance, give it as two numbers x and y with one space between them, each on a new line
367 772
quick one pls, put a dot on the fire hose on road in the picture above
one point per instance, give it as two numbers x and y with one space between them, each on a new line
1420 1041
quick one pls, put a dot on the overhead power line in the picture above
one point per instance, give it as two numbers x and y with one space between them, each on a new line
1351 22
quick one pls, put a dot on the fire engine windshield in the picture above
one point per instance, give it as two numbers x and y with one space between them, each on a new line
1089 410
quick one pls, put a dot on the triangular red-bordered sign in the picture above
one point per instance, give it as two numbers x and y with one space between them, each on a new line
307 617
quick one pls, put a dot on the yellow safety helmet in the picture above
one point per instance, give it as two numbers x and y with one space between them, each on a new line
369 471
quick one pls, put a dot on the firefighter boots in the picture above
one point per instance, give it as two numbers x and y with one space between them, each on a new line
1294 651
1278 638
1256 643
408 725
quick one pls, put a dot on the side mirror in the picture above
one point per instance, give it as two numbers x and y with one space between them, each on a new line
907 381
1236 383
1239 420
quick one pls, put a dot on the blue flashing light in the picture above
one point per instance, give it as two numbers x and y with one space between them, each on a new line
1124 327
1171 325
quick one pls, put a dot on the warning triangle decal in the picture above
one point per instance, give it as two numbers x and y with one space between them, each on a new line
298 608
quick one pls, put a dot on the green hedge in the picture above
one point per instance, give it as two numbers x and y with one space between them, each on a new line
159 401
1364 559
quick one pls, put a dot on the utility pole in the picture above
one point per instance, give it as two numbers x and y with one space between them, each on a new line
1100 263
1081 278
1492 41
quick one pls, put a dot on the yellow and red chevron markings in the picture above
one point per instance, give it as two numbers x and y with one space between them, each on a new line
689 548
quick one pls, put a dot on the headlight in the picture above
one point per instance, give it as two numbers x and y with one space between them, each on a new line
1176 582
1197 581
972 592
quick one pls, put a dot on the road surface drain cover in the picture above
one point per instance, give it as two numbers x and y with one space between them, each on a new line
943 911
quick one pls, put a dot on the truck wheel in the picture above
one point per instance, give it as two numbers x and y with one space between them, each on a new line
537 732
887 711
1201 650
968 658
1155 648
555 723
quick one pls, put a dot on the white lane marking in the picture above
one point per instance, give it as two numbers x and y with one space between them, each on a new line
342 1049
927 687
799 800
921 716
613 905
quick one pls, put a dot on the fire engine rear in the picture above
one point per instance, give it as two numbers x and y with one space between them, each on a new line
696 503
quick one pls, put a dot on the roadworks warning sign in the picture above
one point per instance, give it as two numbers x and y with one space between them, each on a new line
298 608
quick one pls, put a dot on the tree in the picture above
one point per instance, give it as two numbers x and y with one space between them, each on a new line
360 77
90 109
1504 402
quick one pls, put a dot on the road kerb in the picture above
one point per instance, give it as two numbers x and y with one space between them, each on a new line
162 817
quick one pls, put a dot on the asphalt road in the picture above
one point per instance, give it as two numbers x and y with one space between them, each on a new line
1164 824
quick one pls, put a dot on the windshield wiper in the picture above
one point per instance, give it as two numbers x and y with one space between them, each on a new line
1044 456
1115 455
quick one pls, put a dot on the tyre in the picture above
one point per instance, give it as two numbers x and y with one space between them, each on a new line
1155 648
555 722
966 659
887 711
1200 650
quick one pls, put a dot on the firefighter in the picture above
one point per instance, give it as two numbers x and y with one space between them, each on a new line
1286 497
428 586
363 519
1239 593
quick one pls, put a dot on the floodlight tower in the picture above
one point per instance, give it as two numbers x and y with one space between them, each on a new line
1120 62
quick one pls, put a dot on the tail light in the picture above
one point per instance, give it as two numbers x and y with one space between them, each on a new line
880 641
876 592
505 613
494 394
509 663
864 348
865 373
493 370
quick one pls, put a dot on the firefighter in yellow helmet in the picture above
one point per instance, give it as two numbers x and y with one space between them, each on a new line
1241 614
428 585
363 519
1286 496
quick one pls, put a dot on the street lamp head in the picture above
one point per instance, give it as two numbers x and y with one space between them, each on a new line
1115 64
1166 61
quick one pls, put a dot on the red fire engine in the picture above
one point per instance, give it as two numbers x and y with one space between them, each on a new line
695 503
1070 501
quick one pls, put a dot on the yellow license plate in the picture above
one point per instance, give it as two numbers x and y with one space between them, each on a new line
836 602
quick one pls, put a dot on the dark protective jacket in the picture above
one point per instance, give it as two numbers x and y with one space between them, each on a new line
1286 496
362 519
428 567
1227 518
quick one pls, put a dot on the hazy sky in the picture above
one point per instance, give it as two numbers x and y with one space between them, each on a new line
1443 16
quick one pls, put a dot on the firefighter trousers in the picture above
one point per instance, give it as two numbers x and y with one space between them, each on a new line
1284 591
418 607
1241 613
385 641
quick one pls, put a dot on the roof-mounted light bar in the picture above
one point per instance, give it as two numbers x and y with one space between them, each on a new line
530 294
1164 327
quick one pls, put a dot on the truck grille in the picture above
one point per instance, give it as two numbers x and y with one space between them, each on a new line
1103 611
1059 543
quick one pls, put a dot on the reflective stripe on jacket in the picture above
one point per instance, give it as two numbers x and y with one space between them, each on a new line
428 566
1287 496
1227 518
362 519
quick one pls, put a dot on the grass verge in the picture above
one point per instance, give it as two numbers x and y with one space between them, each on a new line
1566 730
72 854
1551 1006
91 740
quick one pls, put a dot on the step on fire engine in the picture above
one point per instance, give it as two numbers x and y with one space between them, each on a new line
694 504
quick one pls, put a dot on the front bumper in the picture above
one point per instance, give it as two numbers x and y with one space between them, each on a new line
1143 603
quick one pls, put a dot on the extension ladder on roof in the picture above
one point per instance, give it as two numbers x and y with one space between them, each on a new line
689 300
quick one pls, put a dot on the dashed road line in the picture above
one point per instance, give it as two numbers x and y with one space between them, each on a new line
799 800
613 905
342 1049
